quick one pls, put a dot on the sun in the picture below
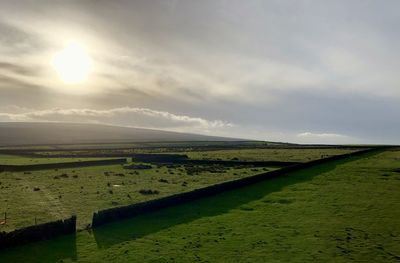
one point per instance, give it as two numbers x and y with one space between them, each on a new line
73 64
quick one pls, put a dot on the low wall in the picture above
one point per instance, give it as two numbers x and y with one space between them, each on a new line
154 157
114 214
47 166
37 232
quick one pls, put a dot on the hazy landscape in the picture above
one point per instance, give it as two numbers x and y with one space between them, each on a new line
199 131
17 134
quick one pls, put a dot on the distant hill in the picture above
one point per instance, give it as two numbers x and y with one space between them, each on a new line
41 133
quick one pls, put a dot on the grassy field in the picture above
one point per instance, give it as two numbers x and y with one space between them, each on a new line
252 154
49 195
289 154
21 160
43 196
345 211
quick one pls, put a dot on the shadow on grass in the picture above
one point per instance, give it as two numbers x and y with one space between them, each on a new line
49 251
143 225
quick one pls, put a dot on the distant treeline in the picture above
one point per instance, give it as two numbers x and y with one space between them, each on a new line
37 232
46 166
114 214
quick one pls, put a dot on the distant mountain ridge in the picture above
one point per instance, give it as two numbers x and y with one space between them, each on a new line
42 133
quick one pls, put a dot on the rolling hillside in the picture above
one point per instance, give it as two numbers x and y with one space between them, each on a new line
28 133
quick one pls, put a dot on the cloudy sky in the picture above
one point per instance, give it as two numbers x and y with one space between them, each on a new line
297 71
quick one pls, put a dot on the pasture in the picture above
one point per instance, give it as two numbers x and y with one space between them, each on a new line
6 159
42 196
344 211
33 197
270 154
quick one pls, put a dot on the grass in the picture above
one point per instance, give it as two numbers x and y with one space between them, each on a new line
345 211
53 194
43 196
289 154
21 160
246 151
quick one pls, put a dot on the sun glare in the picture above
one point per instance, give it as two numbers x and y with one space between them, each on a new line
72 64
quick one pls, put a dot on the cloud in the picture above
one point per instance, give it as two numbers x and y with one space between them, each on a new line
125 116
15 83
324 137
19 69
16 41
320 135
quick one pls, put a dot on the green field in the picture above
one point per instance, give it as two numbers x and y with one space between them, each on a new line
243 154
344 211
49 195
21 160
43 196
269 154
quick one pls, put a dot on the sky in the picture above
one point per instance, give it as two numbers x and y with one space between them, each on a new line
304 71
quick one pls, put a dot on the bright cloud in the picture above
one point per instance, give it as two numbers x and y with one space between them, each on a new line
126 116
324 137
320 135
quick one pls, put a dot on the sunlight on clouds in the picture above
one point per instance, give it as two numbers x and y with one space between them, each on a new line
73 63
125 116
